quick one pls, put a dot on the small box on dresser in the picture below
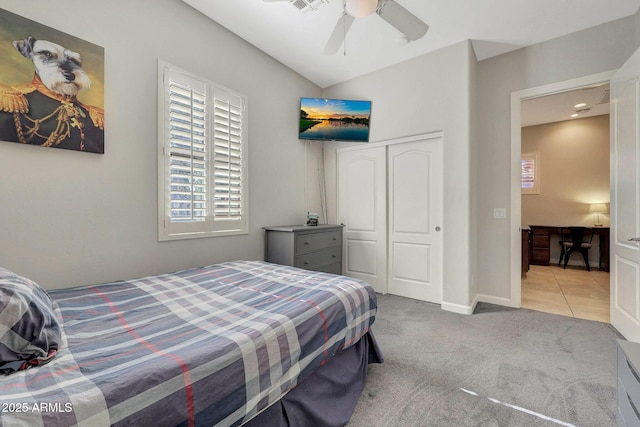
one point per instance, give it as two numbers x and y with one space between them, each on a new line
628 384
317 248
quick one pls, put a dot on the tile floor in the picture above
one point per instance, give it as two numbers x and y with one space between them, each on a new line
572 292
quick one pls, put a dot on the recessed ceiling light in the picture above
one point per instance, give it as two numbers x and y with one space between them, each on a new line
574 115
582 104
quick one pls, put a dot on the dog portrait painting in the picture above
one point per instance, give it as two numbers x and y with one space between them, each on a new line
51 87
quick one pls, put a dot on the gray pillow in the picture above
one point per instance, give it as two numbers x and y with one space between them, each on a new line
30 331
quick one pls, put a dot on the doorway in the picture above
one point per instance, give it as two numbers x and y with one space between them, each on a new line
565 147
516 155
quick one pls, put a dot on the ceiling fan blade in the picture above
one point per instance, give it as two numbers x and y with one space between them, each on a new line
339 33
402 20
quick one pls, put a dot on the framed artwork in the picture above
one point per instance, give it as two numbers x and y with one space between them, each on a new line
51 87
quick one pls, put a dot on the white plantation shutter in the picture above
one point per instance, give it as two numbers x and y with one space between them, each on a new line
530 173
227 156
202 174
187 153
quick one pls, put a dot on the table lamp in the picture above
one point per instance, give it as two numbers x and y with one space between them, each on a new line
598 208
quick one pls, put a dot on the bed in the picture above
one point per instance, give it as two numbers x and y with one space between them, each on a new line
244 342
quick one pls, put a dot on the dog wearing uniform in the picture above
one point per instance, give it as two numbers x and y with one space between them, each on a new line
46 111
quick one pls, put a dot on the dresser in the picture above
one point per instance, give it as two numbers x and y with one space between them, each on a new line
317 248
628 384
540 245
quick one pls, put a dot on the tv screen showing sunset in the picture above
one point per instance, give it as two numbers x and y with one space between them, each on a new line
334 119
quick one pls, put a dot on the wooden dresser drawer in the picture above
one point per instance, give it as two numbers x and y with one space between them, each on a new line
309 242
540 255
315 260
540 240
331 268
317 248
628 384
540 250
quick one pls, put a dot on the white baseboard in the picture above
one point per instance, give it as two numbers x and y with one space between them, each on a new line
464 309
497 301
459 308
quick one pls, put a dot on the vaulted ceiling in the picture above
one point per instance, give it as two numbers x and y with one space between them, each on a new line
297 39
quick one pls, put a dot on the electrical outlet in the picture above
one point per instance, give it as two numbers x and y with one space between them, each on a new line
500 213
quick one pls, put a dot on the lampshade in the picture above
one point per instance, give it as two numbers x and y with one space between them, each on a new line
361 8
598 208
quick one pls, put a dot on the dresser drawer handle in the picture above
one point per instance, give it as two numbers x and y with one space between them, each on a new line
633 407
334 256
306 263
335 238
633 372
306 243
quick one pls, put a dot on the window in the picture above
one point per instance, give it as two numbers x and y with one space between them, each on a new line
530 173
202 175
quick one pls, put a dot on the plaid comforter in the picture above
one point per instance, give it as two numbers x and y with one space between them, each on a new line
206 346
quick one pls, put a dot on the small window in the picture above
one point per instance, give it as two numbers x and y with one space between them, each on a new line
202 175
530 173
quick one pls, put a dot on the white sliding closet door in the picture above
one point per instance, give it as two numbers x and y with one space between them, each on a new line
390 201
415 220
362 209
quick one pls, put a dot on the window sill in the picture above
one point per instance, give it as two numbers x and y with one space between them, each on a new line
201 235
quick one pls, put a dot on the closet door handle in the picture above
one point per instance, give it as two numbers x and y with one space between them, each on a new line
634 239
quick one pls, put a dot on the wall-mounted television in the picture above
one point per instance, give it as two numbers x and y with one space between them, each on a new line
334 119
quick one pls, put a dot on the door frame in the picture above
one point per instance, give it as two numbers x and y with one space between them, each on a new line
515 246
385 143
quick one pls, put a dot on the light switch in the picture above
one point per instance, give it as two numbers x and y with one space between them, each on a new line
500 213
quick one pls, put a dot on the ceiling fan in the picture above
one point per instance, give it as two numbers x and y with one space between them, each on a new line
397 16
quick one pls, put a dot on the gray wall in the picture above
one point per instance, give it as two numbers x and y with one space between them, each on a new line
426 94
71 218
473 184
595 50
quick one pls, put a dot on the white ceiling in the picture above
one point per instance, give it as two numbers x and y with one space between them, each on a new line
560 106
495 26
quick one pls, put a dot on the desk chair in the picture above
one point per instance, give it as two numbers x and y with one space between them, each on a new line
565 237
581 238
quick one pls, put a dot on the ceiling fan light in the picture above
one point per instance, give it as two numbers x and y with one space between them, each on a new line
361 8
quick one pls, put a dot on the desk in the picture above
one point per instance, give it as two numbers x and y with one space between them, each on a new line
540 244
